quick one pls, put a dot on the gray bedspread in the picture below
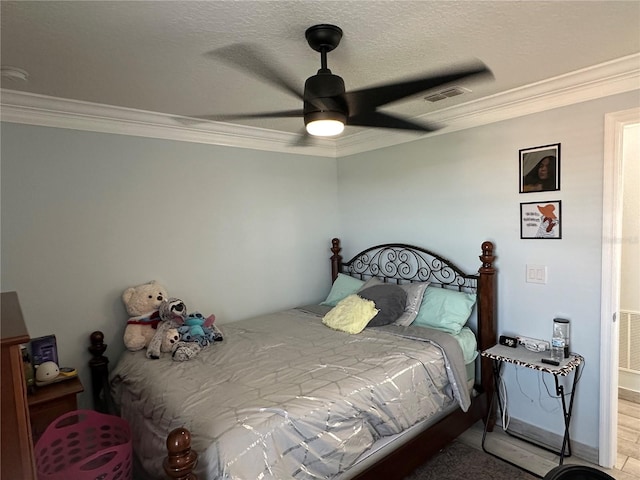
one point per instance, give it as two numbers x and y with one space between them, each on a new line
284 396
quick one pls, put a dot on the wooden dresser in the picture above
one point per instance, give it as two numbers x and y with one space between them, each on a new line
16 445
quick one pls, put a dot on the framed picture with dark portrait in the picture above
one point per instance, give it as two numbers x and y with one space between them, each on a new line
541 219
540 168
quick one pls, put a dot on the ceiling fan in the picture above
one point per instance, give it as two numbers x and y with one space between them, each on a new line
327 106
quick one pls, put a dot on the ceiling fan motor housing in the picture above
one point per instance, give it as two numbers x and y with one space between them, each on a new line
324 98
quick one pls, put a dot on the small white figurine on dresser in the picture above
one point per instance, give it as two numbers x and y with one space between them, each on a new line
47 372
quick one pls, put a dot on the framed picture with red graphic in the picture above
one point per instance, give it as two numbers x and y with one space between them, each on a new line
541 220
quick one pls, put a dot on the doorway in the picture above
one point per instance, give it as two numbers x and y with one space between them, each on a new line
615 127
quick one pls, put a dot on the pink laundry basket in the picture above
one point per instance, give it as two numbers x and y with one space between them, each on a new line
85 445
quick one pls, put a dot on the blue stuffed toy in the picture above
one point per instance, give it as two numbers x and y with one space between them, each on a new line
197 328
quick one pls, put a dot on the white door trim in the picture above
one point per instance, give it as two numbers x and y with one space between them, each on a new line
614 124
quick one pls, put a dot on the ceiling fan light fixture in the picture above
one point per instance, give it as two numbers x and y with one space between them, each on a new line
325 128
325 124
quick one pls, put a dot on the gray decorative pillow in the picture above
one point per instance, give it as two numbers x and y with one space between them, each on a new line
415 293
389 299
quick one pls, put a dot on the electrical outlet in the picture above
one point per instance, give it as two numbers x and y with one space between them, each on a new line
536 274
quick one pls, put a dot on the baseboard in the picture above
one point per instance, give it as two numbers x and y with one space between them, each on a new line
628 395
552 440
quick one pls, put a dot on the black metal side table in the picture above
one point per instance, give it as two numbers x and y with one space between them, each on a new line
522 357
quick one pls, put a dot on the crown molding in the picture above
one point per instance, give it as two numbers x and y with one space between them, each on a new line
46 111
609 78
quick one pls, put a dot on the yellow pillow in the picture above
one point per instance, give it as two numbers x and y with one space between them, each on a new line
351 314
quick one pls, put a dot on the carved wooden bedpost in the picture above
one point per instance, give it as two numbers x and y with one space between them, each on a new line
487 334
181 460
99 366
336 259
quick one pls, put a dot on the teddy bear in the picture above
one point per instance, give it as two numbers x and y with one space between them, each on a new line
142 303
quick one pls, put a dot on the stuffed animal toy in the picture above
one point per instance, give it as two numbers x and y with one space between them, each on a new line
177 335
198 329
142 303
196 333
171 312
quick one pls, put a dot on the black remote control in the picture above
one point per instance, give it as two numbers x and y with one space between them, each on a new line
550 361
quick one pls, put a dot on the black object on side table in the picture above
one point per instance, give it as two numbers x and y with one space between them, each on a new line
526 358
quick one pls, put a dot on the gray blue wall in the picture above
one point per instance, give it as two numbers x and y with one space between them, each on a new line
238 232
454 191
234 232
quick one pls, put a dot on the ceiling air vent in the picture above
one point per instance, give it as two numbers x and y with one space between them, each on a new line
447 93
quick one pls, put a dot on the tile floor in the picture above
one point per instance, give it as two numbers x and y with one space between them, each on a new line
628 460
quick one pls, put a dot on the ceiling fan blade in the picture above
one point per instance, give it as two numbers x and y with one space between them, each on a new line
368 99
240 116
256 61
384 120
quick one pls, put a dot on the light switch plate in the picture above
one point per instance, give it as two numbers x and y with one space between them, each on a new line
536 274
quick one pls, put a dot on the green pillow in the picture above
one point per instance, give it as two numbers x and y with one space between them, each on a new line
444 309
467 340
351 314
342 288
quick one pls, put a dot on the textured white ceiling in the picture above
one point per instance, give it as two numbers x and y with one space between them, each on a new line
155 55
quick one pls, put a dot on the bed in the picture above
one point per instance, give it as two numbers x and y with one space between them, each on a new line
293 395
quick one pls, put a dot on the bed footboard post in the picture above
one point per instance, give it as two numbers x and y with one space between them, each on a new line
181 460
99 366
487 325
336 259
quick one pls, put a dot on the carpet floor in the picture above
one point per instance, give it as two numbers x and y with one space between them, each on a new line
459 462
